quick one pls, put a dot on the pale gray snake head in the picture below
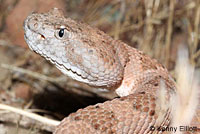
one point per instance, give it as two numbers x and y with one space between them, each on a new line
62 41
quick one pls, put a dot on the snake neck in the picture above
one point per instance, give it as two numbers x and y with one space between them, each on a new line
140 70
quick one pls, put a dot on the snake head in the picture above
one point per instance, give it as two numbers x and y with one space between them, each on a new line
86 54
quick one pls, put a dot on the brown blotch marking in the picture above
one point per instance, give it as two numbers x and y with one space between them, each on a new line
138 106
156 84
77 118
96 126
146 109
153 99
142 92
112 116
104 128
152 113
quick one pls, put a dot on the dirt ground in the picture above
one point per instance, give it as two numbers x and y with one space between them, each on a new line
157 27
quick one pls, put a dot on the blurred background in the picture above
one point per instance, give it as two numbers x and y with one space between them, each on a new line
157 27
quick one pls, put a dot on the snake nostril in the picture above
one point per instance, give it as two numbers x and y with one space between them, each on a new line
33 24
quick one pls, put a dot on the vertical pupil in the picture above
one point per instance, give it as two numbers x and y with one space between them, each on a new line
61 33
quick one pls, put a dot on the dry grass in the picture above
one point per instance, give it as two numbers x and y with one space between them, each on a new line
186 102
150 25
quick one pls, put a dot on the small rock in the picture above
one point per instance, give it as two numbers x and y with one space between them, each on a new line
22 91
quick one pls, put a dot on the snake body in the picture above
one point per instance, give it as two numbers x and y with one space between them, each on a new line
89 55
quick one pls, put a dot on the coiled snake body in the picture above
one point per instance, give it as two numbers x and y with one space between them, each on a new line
89 55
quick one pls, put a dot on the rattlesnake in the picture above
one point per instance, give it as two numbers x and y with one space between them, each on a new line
89 55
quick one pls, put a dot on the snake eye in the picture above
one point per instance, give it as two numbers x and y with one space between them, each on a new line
61 32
